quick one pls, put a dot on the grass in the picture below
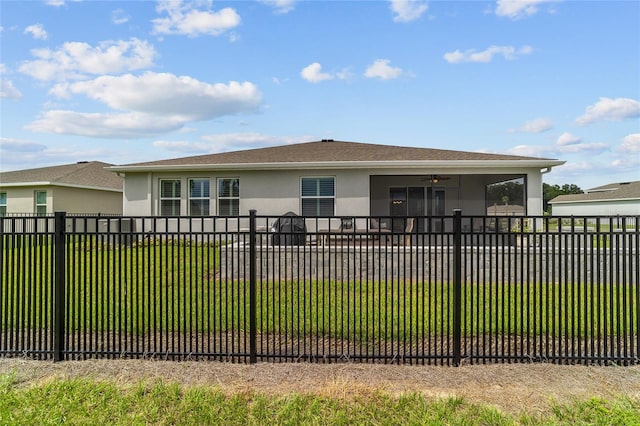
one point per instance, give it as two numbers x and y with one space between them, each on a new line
86 401
175 286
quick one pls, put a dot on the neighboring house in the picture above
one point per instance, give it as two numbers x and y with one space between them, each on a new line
328 178
85 187
607 200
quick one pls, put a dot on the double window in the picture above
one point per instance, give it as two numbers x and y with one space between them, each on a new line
318 196
199 195
228 197
40 203
170 197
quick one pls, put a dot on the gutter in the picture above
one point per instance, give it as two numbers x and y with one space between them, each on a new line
407 164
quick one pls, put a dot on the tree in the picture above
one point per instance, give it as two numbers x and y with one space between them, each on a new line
549 192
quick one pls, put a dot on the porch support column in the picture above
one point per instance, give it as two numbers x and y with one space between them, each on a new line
534 196
534 193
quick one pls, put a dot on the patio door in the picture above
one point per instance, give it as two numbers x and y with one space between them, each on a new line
406 201
415 201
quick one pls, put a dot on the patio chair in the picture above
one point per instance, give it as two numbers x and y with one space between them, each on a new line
377 229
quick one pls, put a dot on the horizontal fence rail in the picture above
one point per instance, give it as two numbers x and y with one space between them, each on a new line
417 290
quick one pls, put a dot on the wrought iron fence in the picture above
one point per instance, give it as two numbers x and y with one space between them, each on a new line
419 290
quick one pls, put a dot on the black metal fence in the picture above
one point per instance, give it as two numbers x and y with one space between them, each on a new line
419 290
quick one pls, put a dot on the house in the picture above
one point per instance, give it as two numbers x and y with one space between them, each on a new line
608 200
328 178
86 187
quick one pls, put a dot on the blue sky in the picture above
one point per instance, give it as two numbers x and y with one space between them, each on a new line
125 82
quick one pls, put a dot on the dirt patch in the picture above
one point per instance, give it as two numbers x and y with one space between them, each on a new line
512 388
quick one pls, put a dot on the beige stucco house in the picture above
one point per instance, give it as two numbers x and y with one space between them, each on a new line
328 178
82 188
607 200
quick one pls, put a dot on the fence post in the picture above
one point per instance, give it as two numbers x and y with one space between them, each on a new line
252 287
59 286
457 286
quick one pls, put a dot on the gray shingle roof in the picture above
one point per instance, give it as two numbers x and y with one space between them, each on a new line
612 191
90 174
330 151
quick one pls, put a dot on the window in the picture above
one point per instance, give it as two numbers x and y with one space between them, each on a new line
170 197
199 197
228 197
3 204
318 196
41 203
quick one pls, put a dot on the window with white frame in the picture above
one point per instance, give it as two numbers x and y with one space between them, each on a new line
40 203
3 204
170 197
318 196
228 197
199 197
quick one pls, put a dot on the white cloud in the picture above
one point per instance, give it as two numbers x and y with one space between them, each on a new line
568 139
18 145
516 9
186 19
281 6
576 147
610 109
229 142
103 125
152 104
20 154
119 17
184 98
565 145
37 31
382 70
631 143
530 151
538 125
408 10
8 91
313 73
508 52
77 60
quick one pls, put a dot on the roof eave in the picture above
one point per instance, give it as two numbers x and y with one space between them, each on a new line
67 185
410 164
595 200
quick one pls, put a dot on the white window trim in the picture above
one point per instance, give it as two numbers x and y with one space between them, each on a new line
316 197
4 204
161 198
218 197
190 198
35 201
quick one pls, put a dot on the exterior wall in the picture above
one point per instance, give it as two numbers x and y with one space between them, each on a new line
597 208
358 191
268 192
89 201
21 200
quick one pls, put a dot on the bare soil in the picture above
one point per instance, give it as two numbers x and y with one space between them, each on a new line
512 388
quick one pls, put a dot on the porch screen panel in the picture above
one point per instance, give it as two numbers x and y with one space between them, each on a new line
170 197
318 196
228 197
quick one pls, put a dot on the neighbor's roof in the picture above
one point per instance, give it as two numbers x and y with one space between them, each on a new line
611 192
84 174
330 153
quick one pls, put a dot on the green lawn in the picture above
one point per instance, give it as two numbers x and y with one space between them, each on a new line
84 401
175 286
